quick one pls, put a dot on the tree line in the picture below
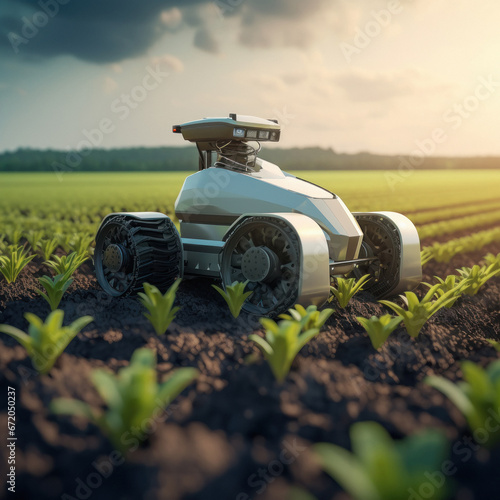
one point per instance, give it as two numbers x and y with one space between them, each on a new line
186 159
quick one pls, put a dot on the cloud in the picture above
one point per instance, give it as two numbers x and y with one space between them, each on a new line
170 63
115 30
294 23
95 31
205 40
109 85
365 86
171 18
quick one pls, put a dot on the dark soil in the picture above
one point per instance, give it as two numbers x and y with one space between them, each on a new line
224 437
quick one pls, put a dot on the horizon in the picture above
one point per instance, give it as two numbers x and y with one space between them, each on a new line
385 77
273 147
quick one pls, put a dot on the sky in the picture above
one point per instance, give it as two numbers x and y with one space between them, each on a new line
384 76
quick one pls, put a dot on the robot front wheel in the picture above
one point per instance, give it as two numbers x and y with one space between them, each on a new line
130 251
265 252
282 268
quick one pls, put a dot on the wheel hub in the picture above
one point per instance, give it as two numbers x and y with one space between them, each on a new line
256 264
114 258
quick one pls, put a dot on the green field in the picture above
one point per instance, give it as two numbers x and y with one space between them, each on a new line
77 201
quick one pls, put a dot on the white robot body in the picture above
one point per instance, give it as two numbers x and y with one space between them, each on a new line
243 219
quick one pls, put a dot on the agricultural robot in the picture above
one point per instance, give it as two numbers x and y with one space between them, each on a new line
243 219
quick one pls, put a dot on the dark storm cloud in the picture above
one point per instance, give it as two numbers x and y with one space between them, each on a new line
103 31
92 30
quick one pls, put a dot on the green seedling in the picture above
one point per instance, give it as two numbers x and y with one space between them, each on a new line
282 343
347 288
444 252
14 235
419 312
235 296
451 282
81 244
46 341
67 264
477 397
64 241
308 318
54 288
379 329
380 468
475 277
132 397
160 306
14 260
34 239
3 245
492 261
494 343
48 247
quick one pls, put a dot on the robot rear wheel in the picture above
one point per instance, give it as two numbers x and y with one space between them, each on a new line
130 251
381 240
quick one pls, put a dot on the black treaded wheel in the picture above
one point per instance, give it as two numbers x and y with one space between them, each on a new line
380 239
131 251
265 251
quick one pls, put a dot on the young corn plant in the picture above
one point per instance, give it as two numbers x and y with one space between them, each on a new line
347 288
81 244
14 235
34 239
379 329
379 468
282 343
160 306
64 241
477 397
492 261
452 282
419 312
475 277
132 397
67 264
308 318
48 247
13 261
54 288
46 341
235 296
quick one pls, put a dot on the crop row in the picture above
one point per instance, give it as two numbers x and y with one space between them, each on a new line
41 202
454 225
446 212
444 252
